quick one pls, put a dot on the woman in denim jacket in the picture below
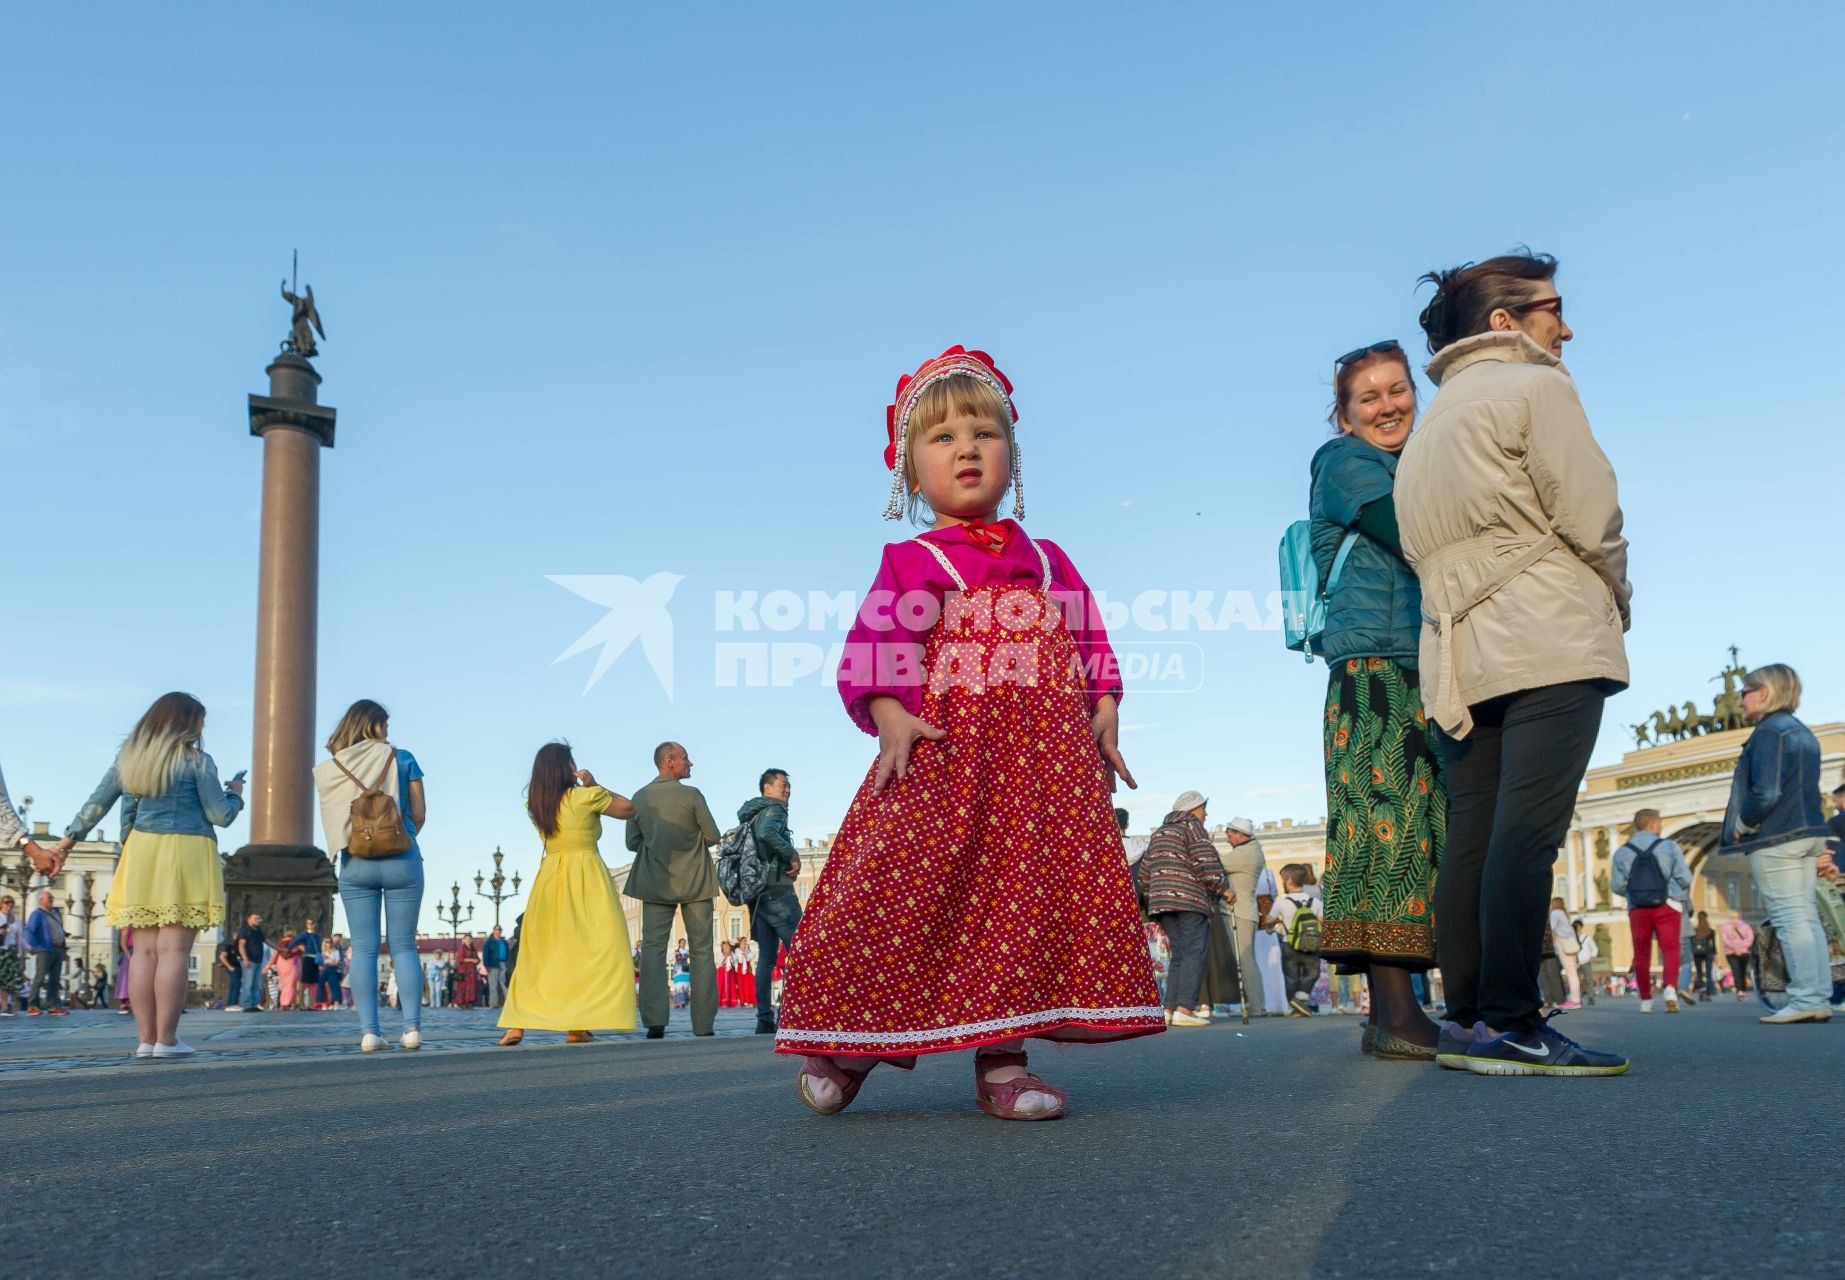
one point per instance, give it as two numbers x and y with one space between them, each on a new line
169 883
1775 818
390 885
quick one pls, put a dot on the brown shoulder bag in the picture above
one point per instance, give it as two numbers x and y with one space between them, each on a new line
377 822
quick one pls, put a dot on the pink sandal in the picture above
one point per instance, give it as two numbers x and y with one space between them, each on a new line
817 1067
1001 1098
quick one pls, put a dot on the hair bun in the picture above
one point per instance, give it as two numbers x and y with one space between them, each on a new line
1434 317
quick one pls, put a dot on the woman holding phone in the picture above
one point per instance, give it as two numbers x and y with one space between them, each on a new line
575 969
169 883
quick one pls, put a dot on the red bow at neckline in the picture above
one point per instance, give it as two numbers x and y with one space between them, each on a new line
990 538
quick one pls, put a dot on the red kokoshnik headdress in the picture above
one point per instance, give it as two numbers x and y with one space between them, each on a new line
955 360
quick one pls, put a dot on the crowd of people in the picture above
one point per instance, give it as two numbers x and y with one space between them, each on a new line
300 970
1468 577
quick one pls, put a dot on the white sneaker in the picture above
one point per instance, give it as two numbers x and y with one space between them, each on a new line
1797 1015
1646 1006
1671 994
144 1050
411 1039
1180 1018
371 1043
178 1049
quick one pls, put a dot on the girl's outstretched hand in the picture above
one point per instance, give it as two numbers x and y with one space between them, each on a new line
1105 723
898 731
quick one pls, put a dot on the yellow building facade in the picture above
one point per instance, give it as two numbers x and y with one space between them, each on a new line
1688 781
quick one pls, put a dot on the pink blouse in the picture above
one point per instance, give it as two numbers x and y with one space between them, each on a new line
883 653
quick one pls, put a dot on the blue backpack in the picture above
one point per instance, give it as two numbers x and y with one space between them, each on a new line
1303 599
1646 879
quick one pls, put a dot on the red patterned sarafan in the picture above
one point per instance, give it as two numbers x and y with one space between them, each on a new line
985 896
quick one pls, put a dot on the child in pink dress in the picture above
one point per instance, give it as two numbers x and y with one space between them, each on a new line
982 837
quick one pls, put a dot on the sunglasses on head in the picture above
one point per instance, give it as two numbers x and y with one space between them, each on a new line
1359 353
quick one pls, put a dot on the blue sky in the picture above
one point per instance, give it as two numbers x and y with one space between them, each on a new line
625 291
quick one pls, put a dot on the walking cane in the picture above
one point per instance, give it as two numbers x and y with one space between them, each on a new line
1236 966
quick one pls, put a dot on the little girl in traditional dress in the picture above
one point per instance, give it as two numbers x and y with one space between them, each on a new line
739 961
983 835
726 976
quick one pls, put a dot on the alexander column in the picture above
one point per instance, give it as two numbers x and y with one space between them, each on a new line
280 873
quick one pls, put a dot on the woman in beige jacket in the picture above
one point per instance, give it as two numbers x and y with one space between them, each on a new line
1508 513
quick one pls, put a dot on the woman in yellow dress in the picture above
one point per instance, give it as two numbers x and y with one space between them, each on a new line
169 883
575 967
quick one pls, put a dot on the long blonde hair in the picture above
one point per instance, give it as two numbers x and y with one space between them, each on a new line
364 721
160 743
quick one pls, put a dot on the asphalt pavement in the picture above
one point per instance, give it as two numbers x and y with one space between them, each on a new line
1271 1150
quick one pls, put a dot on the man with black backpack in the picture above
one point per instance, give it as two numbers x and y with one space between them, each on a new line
775 912
1650 872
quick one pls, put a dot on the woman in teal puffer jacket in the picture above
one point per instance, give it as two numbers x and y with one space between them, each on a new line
1386 810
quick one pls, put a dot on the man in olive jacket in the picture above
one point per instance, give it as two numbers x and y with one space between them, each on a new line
670 836
1244 863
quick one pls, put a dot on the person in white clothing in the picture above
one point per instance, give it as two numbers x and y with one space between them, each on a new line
1587 954
1266 945
1568 949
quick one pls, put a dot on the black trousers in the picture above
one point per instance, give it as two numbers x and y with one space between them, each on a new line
1187 932
1739 970
774 917
1512 786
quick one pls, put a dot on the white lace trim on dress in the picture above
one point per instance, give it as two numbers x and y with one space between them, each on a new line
793 1036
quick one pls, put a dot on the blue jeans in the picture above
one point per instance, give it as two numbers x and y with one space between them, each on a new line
252 984
774 916
396 885
327 989
1785 876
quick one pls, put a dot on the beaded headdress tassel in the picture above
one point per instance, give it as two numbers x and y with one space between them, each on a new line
955 360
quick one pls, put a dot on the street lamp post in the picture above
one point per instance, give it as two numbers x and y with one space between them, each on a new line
85 910
19 879
498 882
451 915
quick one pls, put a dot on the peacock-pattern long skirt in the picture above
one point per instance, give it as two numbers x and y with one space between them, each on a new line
1386 817
984 897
